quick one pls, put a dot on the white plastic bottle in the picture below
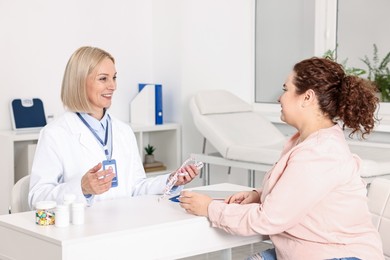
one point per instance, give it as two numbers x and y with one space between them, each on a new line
78 213
62 216
68 200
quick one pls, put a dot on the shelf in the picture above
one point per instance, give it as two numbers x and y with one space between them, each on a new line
154 128
166 138
15 151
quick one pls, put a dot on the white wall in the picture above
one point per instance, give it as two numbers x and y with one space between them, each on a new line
202 45
38 37
185 45
218 53
198 45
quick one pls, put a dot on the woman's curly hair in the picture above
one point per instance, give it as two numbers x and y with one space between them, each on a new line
340 96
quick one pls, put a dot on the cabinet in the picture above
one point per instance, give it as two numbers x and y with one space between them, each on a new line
17 152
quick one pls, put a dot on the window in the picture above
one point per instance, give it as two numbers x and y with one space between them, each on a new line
284 35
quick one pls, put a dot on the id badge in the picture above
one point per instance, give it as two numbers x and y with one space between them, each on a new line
111 163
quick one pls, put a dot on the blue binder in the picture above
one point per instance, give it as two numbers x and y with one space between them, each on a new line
158 101
27 114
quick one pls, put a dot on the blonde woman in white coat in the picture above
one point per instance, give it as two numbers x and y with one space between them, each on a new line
72 149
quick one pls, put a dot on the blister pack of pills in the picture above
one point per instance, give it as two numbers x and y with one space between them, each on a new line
180 172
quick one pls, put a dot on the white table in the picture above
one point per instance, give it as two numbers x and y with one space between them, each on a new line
133 228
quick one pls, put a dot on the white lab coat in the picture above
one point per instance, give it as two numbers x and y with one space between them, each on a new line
67 149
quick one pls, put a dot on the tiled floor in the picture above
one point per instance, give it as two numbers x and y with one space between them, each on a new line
238 253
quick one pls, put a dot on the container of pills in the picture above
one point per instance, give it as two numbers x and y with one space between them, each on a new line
62 216
44 213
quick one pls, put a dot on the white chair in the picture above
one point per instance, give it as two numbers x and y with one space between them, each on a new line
379 205
19 197
376 159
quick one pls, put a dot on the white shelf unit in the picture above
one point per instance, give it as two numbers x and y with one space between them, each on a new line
166 138
17 152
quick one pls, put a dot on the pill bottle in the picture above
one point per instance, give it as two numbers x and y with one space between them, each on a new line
77 213
44 213
62 216
68 200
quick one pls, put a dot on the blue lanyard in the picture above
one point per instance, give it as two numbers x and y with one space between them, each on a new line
104 144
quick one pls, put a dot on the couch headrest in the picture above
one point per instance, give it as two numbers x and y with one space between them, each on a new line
220 101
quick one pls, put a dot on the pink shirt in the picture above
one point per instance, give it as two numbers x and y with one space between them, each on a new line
313 203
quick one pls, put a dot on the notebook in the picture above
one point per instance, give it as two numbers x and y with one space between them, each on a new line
27 114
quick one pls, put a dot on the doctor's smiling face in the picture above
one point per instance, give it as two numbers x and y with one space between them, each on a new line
100 86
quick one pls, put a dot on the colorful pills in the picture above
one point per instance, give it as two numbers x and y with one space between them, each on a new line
44 214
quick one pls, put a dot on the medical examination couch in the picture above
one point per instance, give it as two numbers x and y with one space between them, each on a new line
244 139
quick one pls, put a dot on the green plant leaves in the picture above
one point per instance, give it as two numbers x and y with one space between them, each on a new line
149 149
379 72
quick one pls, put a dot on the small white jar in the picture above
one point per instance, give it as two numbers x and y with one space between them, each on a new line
44 213
62 216
78 213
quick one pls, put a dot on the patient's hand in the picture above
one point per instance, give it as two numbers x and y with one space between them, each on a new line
244 197
195 203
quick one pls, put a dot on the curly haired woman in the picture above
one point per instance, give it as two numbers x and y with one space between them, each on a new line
312 203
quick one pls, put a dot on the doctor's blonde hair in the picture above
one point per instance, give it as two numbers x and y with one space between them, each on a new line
81 64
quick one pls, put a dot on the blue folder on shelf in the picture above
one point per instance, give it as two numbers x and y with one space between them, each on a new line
147 106
27 114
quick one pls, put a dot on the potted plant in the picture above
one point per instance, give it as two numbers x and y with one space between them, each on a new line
149 156
379 73
330 54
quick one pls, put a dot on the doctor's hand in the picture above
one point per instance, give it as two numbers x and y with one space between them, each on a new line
195 203
186 174
244 197
97 182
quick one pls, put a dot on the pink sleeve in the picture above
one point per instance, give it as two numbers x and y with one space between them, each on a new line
310 174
